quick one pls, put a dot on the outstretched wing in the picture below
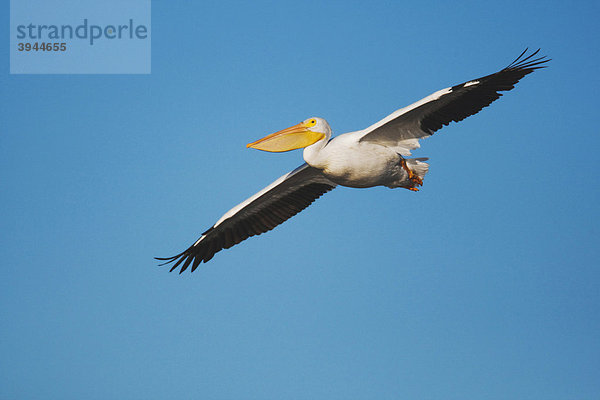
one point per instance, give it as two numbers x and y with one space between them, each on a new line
273 205
403 128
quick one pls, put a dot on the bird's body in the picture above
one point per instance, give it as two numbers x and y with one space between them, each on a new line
375 156
348 162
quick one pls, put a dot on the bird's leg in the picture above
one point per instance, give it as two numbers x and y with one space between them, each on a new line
412 177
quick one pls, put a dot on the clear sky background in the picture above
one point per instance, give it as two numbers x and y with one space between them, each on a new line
485 284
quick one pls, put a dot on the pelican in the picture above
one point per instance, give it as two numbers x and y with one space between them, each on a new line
375 156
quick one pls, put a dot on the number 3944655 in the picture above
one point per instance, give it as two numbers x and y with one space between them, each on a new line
43 46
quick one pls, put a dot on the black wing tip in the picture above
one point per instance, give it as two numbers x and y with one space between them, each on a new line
528 62
521 66
186 256
193 256
168 260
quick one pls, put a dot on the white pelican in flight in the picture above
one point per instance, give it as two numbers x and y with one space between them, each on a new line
375 156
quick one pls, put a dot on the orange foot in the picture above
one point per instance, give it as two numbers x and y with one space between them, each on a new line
412 177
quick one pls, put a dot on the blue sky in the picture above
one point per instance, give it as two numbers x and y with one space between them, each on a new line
482 285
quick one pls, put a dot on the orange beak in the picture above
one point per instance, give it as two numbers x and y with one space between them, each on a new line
292 138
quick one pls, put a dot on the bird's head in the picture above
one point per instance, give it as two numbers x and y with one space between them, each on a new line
304 134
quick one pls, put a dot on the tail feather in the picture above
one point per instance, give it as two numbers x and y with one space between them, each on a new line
418 166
